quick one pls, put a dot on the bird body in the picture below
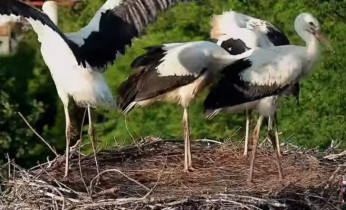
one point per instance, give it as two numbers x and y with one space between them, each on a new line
85 85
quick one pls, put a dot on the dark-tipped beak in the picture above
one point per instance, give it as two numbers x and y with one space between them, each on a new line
322 39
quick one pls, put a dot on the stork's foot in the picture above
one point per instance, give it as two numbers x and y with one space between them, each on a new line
249 181
189 169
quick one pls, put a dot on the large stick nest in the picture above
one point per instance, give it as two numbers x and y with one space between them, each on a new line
150 176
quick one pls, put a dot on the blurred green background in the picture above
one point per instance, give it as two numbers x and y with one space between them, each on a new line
27 87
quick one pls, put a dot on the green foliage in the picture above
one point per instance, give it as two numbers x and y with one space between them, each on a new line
319 119
16 139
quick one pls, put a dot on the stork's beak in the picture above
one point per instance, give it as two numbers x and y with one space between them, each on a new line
323 39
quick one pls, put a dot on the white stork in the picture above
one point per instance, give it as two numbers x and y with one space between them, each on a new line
176 73
77 60
267 72
237 33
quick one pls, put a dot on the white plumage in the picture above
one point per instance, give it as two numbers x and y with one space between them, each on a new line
266 68
267 72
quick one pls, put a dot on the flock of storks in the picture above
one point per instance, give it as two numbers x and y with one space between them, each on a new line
250 68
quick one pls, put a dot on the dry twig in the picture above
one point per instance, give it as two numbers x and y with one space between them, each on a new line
38 135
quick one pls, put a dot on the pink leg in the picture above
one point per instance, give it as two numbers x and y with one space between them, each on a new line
68 140
254 147
247 128
93 142
187 144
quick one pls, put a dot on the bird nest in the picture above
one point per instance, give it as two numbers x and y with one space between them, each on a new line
150 176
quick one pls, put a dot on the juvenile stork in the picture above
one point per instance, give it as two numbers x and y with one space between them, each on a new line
267 72
174 72
237 33
77 60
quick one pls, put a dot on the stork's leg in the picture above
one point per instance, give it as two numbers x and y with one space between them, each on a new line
254 147
270 123
68 139
247 128
272 138
93 142
277 140
269 127
187 143
277 147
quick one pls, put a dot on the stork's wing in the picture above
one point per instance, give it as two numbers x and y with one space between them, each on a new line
230 28
266 72
275 36
113 27
42 25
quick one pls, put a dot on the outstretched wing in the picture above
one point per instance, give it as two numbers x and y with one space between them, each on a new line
113 27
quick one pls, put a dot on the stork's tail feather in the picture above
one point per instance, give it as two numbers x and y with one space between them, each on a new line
129 107
221 24
210 113
216 30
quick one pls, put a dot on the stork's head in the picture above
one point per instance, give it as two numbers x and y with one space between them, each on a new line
307 25
307 22
51 9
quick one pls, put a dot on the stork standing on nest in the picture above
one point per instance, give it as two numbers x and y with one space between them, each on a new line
237 33
77 60
176 73
267 72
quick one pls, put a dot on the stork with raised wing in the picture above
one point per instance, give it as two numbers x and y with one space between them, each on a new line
77 60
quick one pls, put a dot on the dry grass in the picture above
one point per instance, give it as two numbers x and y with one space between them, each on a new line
149 176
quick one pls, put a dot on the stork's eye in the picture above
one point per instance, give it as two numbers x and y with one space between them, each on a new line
311 24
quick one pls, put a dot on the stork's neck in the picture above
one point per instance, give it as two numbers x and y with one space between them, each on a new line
312 51
312 48
312 45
